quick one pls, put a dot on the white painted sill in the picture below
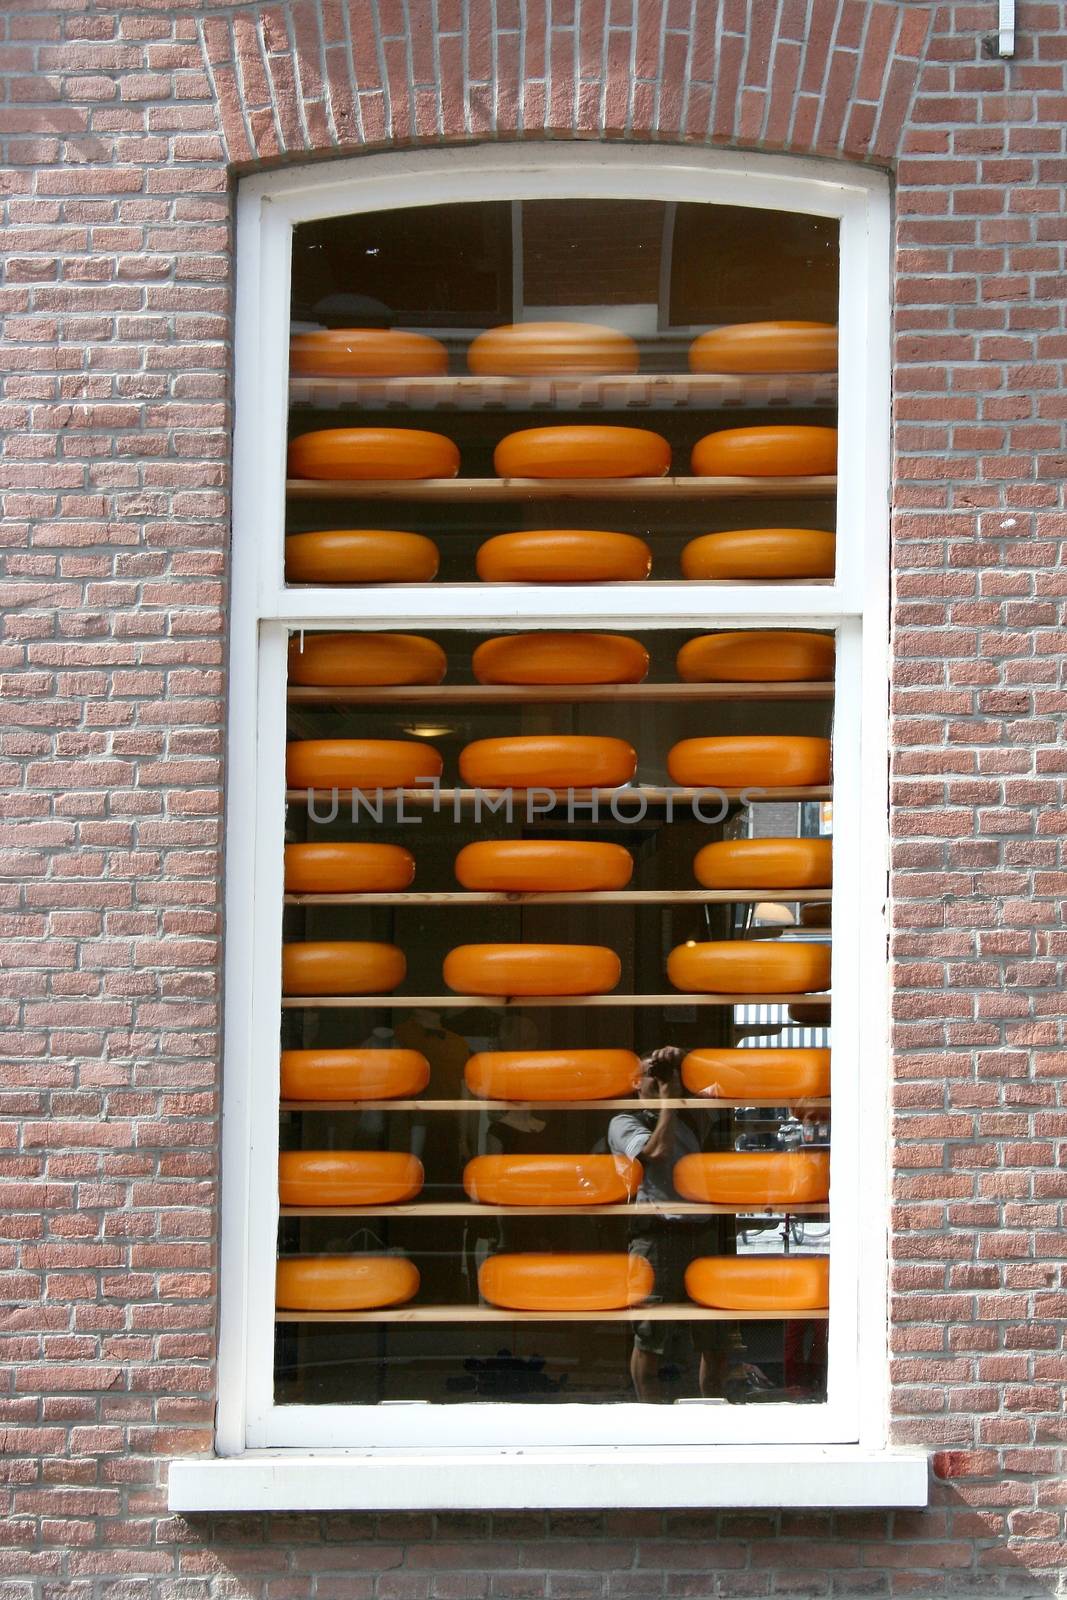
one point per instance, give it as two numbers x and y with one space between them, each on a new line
536 1479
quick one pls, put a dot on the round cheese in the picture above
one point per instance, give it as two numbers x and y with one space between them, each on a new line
760 554
576 450
360 764
730 1074
553 1074
353 1074
354 659
733 761
551 1180
352 454
757 655
810 1014
551 349
548 761
360 555
531 866
348 1177
564 555
749 966
774 450
347 868
754 1177
532 969
366 353
760 1283
537 658
342 966
765 864
344 1283
766 347
543 1281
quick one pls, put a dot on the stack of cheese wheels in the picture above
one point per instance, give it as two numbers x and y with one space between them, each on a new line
342 966
731 761
360 555
761 1283
543 658
769 863
352 454
374 659
754 1177
538 1075
348 1177
360 764
544 1281
749 966
367 353
548 761
551 350
347 868
541 866
582 450
756 655
552 1180
788 1074
564 555
775 450
345 1283
532 969
353 1074
766 347
760 553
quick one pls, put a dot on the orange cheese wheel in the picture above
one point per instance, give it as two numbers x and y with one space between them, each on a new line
749 966
775 450
755 655
560 658
347 868
363 453
551 349
353 1074
365 658
348 1177
564 555
732 1074
548 761
360 555
543 1281
532 969
754 553
360 764
367 353
765 864
531 866
552 1180
760 1283
342 966
730 761
811 1014
766 347
553 1074
754 1177
344 1283
574 450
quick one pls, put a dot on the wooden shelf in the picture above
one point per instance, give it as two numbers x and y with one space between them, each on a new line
469 491
499 1107
655 1313
649 391
441 1002
637 1208
482 694
607 897
466 798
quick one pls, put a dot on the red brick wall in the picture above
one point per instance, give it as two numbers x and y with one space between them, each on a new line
124 129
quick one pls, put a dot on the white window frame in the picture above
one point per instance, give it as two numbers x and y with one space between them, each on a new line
264 612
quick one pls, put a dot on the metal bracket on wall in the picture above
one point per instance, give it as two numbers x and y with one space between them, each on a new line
1002 43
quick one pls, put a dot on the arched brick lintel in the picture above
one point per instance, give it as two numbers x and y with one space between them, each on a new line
303 78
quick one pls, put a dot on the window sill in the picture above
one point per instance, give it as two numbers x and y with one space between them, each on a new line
397 1480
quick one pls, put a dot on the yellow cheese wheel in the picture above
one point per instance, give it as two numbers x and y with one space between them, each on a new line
760 1283
353 1074
731 1074
348 1177
552 1180
360 764
575 450
365 659
760 553
765 864
353 454
766 347
531 866
749 966
551 349
532 969
347 868
560 658
342 966
367 353
756 655
731 761
756 1177
543 1281
548 761
810 1014
344 1283
564 555
360 555
553 1074
774 450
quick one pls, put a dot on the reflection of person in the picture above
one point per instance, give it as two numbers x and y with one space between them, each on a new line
659 1138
